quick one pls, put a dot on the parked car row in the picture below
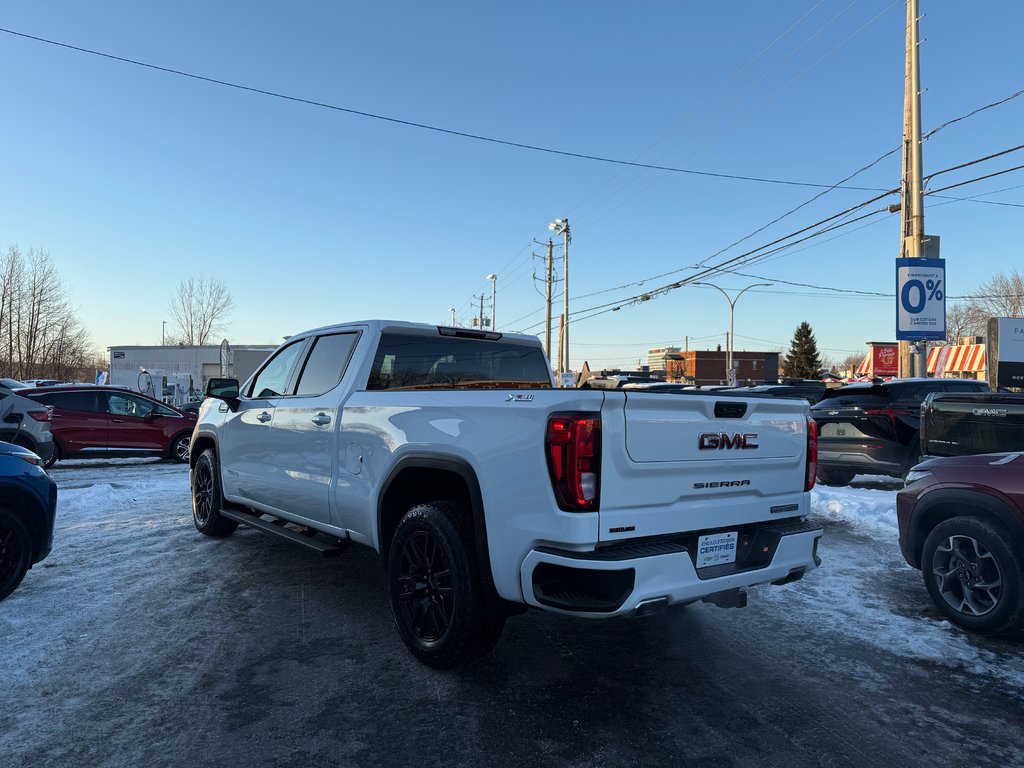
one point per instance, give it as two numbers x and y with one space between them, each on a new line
874 429
104 422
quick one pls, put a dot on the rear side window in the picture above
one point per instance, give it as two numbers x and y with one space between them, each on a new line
86 402
410 361
326 363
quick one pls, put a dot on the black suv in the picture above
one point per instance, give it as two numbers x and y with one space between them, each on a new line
873 429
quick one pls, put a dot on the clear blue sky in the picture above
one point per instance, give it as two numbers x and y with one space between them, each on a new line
134 179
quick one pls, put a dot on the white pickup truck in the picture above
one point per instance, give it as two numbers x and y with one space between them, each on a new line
487 490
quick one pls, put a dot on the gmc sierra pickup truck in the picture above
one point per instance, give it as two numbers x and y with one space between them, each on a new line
972 423
487 490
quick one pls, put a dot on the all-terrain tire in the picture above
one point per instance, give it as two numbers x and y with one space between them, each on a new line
207 501
437 596
15 551
835 475
975 575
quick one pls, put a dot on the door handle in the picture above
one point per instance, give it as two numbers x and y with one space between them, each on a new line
263 417
321 419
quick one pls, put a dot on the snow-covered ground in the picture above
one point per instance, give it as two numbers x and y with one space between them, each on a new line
866 590
850 596
140 642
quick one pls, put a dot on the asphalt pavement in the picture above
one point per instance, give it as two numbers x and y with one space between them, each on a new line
142 643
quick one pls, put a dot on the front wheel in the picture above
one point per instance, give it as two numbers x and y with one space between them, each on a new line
437 596
15 552
974 575
181 448
207 500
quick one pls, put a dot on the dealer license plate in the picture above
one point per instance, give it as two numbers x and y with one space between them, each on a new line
716 549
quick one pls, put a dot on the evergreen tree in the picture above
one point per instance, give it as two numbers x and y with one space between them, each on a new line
803 361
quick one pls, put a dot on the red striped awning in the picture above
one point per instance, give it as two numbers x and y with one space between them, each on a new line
865 367
961 358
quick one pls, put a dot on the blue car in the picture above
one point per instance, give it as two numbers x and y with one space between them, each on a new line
28 505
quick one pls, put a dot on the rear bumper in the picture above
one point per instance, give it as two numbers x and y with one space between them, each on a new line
879 462
617 580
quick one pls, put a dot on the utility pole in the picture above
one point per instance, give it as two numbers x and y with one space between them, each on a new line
481 325
494 298
561 344
561 227
163 330
547 315
452 310
913 358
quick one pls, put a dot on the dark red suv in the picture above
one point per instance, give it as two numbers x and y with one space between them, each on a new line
100 422
961 522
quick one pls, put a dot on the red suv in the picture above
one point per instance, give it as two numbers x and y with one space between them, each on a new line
961 522
100 422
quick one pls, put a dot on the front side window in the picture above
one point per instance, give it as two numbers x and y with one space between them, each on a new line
129 405
273 379
326 363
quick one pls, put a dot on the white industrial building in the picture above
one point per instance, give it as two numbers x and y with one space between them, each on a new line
178 374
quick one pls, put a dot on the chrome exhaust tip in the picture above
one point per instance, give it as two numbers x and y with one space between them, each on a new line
650 606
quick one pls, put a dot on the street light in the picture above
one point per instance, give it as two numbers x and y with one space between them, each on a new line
732 308
561 227
163 329
494 296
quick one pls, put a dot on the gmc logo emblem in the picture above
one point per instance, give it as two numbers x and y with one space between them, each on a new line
710 441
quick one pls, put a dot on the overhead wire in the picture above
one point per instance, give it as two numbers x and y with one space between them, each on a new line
402 121
752 256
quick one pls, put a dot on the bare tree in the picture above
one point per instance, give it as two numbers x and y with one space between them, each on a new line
1001 296
40 333
200 308
961 321
850 363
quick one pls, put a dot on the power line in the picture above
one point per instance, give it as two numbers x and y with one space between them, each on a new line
753 256
412 123
979 178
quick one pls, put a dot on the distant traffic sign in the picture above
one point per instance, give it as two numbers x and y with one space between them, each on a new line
920 299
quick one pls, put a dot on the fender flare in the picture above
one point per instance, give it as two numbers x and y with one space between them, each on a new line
968 500
461 468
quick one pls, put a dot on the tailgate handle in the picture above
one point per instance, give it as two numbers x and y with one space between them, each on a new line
730 410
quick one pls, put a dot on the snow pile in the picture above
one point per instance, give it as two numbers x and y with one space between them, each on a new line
865 591
868 511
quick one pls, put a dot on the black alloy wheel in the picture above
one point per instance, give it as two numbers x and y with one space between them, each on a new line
15 552
438 599
425 587
206 498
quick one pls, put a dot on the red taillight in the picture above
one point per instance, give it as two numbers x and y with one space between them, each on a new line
574 460
41 415
812 454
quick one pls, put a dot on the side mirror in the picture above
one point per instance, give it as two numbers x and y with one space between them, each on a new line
222 389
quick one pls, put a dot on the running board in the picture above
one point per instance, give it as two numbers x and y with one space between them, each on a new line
326 548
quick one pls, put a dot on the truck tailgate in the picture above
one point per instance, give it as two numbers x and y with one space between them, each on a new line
676 463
